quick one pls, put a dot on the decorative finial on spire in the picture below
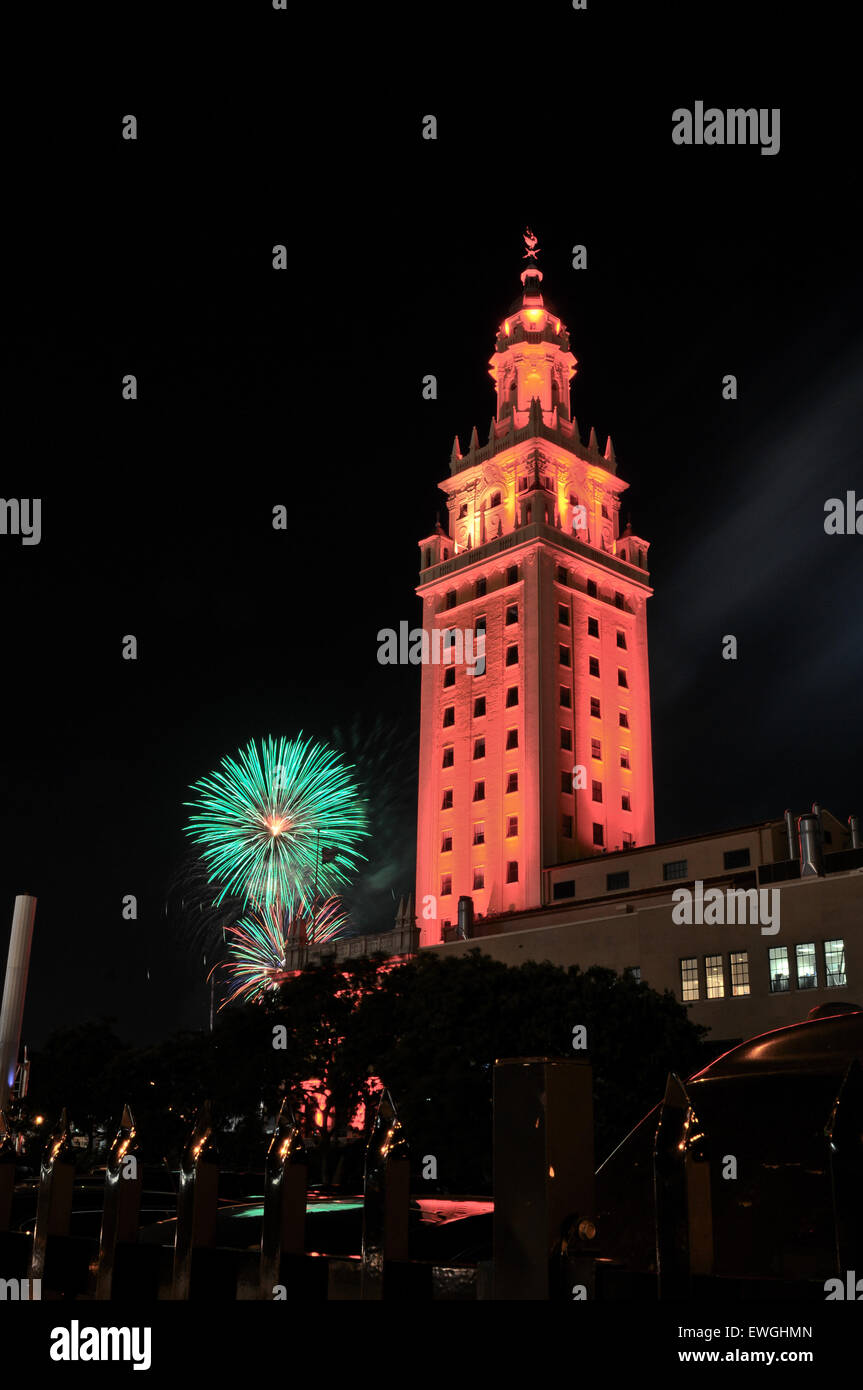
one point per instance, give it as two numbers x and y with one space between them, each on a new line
531 276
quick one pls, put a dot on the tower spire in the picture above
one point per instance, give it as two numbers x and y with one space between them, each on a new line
531 276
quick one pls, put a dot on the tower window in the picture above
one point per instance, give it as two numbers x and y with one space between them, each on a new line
604 511
594 708
593 627
512 738
597 791
451 599
479 707
446 844
511 614
512 574
566 826
449 677
512 696
566 738
598 834
593 666
479 878
621 678
512 872
479 832
512 656
512 782
623 719
618 600
595 748
447 757
561 574
480 625
449 716
563 614
445 885
621 640
511 826
625 801
624 759
564 655
446 802
565 697
481 586
479 791
566 783
462 511
495 499
479 748
591 588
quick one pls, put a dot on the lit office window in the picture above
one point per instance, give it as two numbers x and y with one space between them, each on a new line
739 972
715 977
834 962
689 978
807 972
780 980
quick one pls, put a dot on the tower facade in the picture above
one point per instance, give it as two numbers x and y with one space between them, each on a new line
535 745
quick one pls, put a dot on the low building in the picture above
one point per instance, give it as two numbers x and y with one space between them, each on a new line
795 941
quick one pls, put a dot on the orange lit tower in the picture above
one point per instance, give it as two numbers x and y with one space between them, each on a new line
534 555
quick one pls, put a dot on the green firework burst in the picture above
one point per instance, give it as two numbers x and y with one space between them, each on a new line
279 822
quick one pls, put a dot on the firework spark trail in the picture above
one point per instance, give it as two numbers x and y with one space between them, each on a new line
264 818
261 942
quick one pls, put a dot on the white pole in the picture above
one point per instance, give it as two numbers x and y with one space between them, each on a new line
15 990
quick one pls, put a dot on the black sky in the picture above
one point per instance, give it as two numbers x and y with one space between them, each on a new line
304 388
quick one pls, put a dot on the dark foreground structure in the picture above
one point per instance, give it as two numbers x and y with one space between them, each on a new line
745 1181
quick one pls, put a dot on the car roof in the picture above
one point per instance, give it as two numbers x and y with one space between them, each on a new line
820 1045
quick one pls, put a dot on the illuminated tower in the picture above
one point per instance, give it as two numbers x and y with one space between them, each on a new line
541 754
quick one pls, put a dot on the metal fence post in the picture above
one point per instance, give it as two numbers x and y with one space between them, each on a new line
285 1184
681 1186
844 1134
197 1200
122 1201
386 1198
544 1203
54 1203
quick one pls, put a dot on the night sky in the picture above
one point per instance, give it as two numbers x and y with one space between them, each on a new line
304 388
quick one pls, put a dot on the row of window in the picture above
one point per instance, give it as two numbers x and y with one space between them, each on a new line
566 746
479 709
450 598
478 878
566 789
565 701
717 983
674 869
511 617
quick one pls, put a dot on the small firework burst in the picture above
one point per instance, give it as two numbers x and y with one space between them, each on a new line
279 823
259 944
